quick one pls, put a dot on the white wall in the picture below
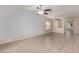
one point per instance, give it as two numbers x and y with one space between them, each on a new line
76 25
16 22
31 24
7 15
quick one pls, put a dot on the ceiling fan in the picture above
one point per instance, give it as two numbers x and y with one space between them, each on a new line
40 11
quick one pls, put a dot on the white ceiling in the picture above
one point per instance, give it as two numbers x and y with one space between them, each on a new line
58 10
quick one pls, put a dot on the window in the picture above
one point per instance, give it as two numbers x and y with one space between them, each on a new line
48 25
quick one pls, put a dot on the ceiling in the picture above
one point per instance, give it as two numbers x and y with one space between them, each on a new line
57 10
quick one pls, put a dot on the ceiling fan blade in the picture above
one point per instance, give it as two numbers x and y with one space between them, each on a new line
47 10
45 13
37 7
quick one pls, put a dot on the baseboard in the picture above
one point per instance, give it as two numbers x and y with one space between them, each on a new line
21 37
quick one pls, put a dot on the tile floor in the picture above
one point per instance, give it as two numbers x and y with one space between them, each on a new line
50 43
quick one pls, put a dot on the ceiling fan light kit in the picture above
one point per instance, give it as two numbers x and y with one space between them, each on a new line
40 12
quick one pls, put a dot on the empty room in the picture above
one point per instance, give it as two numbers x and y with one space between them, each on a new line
39 28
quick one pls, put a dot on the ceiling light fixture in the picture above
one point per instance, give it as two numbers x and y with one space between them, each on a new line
40 12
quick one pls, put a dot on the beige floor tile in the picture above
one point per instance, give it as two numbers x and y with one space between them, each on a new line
49 43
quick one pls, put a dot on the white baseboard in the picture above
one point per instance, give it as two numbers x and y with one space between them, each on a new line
23 37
